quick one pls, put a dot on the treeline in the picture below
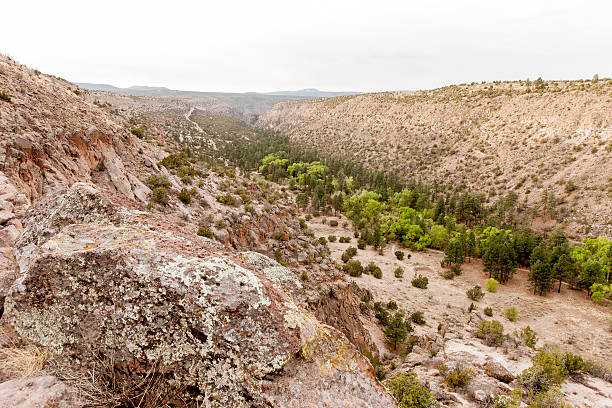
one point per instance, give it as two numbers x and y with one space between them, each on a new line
384 208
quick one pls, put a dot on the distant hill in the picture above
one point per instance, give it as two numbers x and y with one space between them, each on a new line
312 93
548 142
248 103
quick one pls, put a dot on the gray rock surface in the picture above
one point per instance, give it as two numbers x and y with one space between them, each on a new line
96 282
37 392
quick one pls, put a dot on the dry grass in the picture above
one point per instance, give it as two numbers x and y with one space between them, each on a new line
19 359
107 384
23 362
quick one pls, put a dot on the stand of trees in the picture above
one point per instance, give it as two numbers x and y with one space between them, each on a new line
384 208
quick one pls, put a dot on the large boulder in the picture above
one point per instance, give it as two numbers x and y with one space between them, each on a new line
38 392
102 286
498 371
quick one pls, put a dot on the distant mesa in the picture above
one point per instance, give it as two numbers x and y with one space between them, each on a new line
247 103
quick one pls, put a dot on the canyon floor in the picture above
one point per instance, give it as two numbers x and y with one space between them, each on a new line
568 319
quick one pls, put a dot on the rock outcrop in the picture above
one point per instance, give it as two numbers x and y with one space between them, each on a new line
339 307
38 392
51 136
99 280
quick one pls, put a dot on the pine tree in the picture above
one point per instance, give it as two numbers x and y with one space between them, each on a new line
398 329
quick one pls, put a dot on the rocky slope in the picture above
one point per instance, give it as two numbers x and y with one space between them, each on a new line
112 292
493 137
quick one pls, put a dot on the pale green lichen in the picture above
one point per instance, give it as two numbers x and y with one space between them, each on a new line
43 325
272 270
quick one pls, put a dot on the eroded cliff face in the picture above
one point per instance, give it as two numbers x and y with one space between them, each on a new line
90 276
493 138
50 135
49 138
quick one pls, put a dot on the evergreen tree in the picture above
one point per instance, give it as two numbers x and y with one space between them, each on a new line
455 252
565 269
398 329
499 256
540 276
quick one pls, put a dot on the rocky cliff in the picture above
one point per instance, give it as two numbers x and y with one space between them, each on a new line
108 287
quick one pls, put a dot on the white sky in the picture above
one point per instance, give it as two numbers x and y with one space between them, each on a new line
261 45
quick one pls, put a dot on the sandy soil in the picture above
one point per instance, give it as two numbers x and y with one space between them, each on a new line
569 319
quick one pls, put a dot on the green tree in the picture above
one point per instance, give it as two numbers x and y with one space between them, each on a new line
398 329
455 252
540 277
566 269
498 254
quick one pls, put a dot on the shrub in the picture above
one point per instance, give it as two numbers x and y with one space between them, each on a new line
344 240
226 199
488 311
511 314
138 132
278 255
348 254
361 244
304 276
333 223
398 272
4 97
160 196
410 393
492 332
379 370
598 370
573 363
458 377
392 305
399 255
353 267
417 317
420 282
371 268
553 398
322 241
548 370
205 232
492 285
507 401
157 181
381 313
332 238
448 274
529 337
100 166
475 293
185 196
456 269
280 236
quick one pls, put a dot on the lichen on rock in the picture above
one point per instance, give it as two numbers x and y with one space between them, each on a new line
99 284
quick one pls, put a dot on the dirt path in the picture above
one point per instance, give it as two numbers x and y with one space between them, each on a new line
209 140
569 319
188 117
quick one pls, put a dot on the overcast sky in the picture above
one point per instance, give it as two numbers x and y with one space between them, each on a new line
261 45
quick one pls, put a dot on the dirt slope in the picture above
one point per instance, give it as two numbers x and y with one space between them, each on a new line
493 137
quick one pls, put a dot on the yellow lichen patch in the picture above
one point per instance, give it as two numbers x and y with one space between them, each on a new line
331 351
